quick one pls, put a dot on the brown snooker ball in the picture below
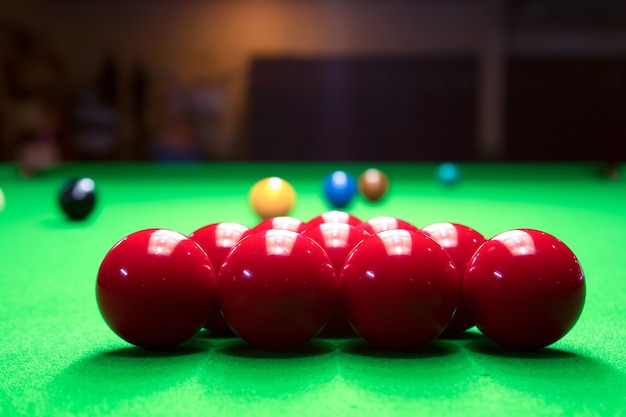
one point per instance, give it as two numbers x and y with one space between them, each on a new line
373 184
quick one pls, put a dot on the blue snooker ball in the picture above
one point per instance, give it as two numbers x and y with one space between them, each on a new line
340 188
448 173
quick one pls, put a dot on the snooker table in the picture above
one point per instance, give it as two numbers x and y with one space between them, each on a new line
58 357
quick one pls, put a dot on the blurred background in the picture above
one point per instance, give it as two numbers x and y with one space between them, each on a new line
372 80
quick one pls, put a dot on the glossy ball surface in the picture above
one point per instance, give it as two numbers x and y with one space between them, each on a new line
272 197
373 184
155 288
337 239
334 216
448 173
340 189
217 240
277 289
281 222
460 242
525 289
2 200
77 198
399 289
383 223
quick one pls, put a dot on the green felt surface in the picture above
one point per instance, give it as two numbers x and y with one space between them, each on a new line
57 357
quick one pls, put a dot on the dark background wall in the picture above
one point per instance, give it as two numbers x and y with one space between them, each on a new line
329 80
363 108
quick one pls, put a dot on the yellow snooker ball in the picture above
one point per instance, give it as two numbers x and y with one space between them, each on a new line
272 197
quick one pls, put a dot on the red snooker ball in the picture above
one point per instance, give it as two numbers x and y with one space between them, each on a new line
217 240
399 288
382 223
460 242
334 216
281 222
337 239
155 288
525 289
277 289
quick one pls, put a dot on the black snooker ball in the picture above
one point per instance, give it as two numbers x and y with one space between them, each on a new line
78 198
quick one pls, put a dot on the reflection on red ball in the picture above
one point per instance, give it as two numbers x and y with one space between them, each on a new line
382 223
217 240
525 289
337 239
460 242
281 222
155 288
334 216
277 289
399 288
